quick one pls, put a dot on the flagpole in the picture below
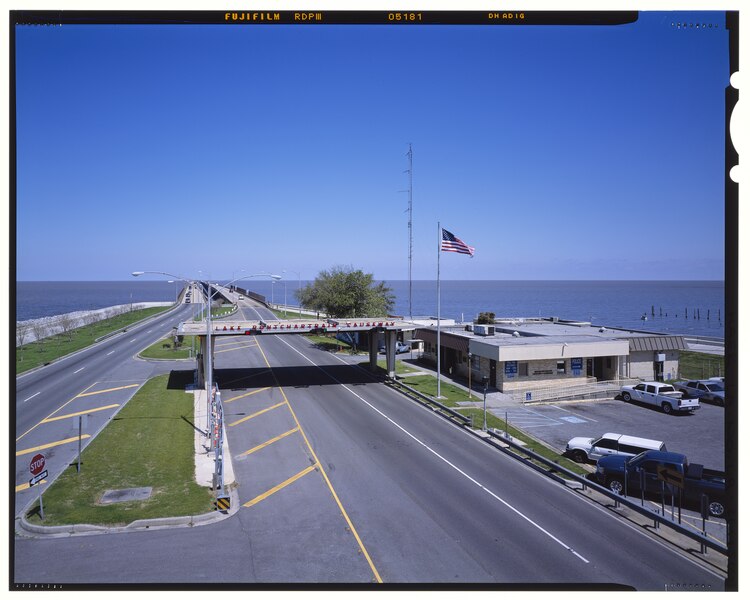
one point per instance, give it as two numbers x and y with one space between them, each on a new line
438 311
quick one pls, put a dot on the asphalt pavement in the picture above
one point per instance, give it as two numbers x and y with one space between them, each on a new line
341 479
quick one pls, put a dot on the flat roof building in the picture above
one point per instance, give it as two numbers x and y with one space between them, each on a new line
529 353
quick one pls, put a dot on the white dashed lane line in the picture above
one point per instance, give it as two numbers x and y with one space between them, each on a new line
33 396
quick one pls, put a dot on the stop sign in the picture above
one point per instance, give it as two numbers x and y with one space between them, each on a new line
37 464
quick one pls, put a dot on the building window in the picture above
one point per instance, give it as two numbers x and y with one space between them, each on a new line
609 362
561 367
523 369
475 362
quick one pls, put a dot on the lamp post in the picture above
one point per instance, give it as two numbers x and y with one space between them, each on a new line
175 289
209 366
219 471
485 381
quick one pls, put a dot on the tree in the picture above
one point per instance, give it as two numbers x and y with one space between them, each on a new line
487 318
343 292
22 332
40 329
67 323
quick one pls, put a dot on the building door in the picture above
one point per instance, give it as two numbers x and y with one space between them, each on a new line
658 370
493 373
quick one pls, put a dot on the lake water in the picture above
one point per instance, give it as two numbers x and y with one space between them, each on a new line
613 303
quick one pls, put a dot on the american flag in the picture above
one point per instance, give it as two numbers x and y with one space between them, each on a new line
451 243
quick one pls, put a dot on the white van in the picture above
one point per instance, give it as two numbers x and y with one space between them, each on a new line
581 449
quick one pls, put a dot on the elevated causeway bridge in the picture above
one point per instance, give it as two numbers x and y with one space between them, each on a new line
390 327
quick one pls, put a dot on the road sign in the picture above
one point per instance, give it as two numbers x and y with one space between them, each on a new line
37 464
37 478
671 476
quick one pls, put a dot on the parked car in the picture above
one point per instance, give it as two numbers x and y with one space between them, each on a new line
400 348
614 471
581 449
659 394
704 390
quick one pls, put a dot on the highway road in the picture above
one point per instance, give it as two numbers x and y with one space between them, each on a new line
344 480
96 381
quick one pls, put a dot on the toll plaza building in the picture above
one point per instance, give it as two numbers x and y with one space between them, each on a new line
529 353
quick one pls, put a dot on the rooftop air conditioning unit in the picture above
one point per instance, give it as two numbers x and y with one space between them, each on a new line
484 330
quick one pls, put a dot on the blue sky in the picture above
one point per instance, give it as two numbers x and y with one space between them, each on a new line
558 152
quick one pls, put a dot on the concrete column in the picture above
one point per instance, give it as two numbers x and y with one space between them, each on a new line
373 351
200 360
203 366
390 353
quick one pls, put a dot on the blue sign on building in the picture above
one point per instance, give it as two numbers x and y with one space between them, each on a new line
576 365
511 368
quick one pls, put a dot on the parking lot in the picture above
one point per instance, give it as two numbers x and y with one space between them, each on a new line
700 436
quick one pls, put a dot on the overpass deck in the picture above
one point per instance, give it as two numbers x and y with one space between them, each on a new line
261 327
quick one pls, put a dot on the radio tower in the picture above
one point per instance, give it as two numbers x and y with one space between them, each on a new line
409 154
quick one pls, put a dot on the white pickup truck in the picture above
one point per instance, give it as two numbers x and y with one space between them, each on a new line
659 394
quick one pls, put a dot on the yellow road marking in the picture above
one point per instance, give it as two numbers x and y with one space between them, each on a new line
26 486
227 344
260 412
51 445
323 473
245 395
237 348
83 412
54 411
269 442
124 387
276 488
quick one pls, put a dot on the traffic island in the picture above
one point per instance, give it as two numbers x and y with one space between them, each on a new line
150 442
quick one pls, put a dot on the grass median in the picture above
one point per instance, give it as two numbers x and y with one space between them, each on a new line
167 350
451 396
35 354
149 443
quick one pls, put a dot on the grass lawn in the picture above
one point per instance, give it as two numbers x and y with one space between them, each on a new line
532 444
48 349
158 350
293 314
452 395
217 312
148 444
697 365
427 384
332 344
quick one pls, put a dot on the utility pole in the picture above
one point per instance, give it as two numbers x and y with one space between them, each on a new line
411 231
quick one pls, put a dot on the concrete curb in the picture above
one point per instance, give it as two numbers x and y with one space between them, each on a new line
140 525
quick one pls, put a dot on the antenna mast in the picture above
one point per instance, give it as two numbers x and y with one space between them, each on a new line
411 244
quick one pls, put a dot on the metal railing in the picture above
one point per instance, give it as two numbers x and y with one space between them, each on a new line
630 504
463 419
568 392
513 449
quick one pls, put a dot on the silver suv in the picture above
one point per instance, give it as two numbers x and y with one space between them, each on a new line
581 449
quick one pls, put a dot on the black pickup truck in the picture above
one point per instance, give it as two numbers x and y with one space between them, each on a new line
671 467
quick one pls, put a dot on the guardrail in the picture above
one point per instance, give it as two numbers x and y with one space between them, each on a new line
630 504
568 474
464 420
